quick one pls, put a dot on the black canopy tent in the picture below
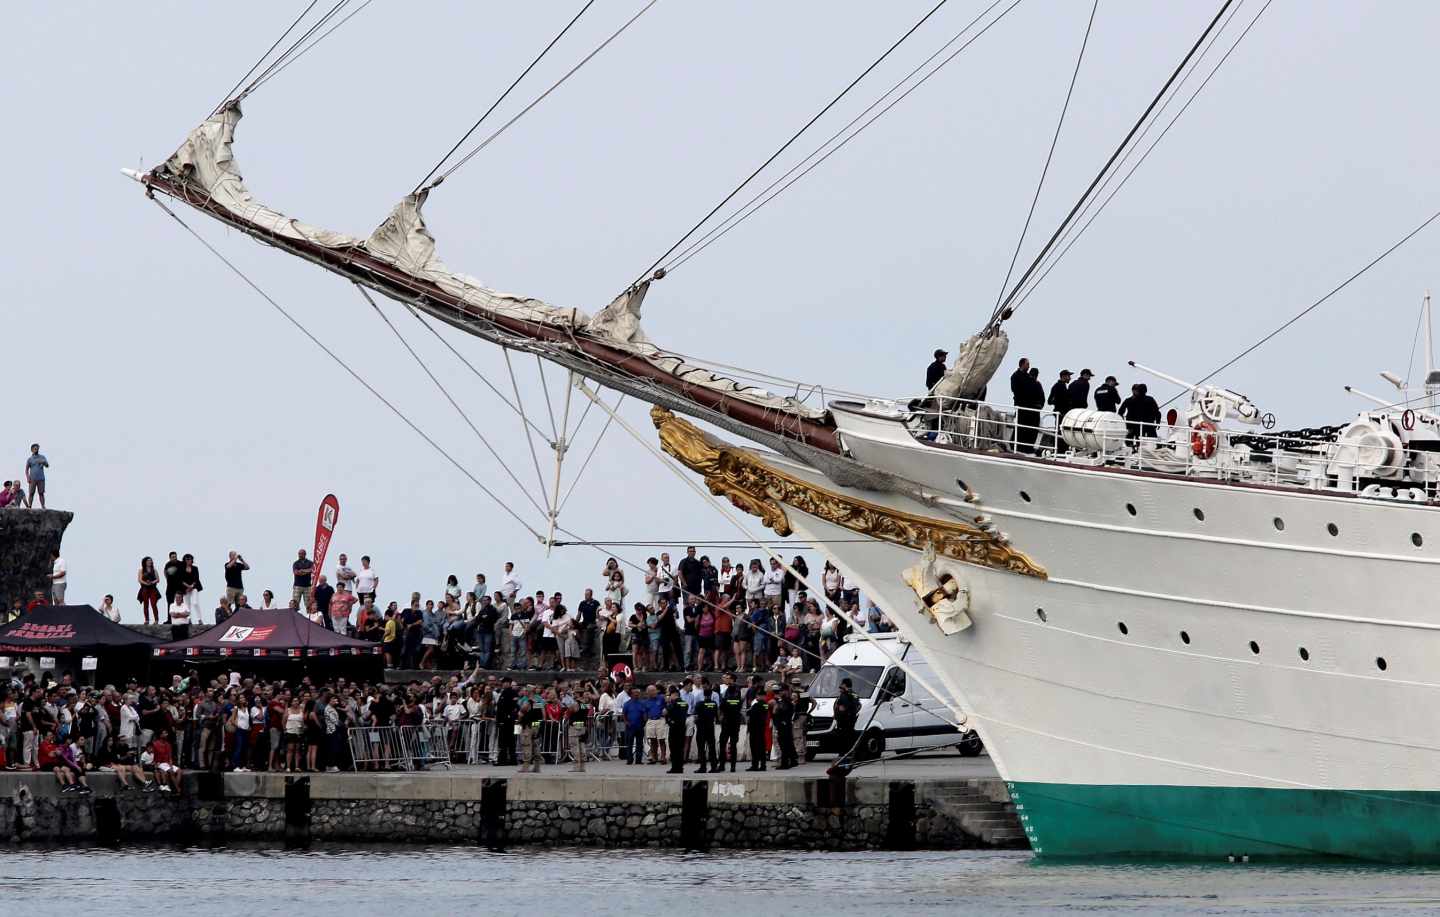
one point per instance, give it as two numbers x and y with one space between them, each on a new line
72 633
275 639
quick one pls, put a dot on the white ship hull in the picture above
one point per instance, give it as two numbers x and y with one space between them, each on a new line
1183 683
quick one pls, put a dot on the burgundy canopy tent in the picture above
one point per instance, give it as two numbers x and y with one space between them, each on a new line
70 633
275 635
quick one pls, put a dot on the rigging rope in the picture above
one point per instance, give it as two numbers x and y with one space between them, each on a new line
1314 305
786 145
1020 242
1001 307
328 32
747 210
1070 239
268 51
540 98
504 95
345 366
286 54
448 397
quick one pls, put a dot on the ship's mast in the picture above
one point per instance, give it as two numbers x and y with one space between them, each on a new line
1432 381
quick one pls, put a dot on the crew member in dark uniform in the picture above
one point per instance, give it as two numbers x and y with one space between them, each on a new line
1059 402
1141 413
707 710
756 716
732 709
1079 391
1029 401
936 370
804 705
676 713
507 706
1107 396
784 714
847 714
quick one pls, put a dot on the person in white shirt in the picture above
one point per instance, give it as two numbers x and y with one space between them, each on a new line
345 574
367 581
454 710
511 584
774 582
754 582
108 609
179 618
57 579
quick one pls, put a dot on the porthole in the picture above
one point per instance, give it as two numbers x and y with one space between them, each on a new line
1024 496
1130 508
960 483
1199 514
1380 663
1040 613
1304 654
1416 540
1185 638
1333 529
1254 647
1279 524
1123 629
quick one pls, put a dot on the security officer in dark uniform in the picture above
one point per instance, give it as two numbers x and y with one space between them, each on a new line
1079 391
677 711
707 711
847 714
757 715
506 709
1059 402
784 714
732 711
1029 402
1107 396
936 371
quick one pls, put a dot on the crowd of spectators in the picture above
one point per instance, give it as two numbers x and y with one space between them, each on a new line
688 617
147 735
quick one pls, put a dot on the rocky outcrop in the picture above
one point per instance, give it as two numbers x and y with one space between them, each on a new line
27 536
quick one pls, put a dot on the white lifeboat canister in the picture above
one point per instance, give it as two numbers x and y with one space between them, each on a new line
1093 431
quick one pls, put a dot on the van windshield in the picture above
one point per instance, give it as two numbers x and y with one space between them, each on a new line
863 679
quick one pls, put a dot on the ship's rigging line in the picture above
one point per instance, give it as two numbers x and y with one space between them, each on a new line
276 71
1005 304
1050 155
777 637
292 53
786 145
230 93
1313 306
764 196
448 397
345 366
504 95
1072 235
494 135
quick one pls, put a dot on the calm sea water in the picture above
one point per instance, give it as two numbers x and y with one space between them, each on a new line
424 881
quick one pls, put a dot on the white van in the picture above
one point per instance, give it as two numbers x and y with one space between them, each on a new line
896 713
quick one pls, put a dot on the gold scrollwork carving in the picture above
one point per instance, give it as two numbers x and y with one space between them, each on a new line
757 489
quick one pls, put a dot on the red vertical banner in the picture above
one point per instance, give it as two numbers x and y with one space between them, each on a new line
324 530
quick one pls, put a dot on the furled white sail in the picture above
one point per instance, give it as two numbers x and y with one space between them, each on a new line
206 163
974 365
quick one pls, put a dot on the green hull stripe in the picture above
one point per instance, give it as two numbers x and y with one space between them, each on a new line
1187 822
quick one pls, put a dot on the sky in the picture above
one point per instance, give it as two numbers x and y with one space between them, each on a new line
180 412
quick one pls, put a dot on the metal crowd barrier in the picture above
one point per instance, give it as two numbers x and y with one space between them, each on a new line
442 743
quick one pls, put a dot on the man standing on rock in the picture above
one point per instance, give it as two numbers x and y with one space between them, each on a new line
35 467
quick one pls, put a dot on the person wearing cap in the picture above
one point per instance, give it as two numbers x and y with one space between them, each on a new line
1059 402
677 715
782 713
1079 391
1107 396
936 370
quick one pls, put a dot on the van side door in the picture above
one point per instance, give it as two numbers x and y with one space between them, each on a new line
895 714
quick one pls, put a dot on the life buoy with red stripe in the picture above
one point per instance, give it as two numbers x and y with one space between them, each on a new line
1203 439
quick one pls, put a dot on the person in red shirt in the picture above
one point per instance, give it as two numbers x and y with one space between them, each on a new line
166 773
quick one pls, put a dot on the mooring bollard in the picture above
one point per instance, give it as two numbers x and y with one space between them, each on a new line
492 813
900 825
694 813
297 812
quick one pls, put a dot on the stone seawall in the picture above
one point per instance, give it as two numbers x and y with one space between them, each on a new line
618 812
